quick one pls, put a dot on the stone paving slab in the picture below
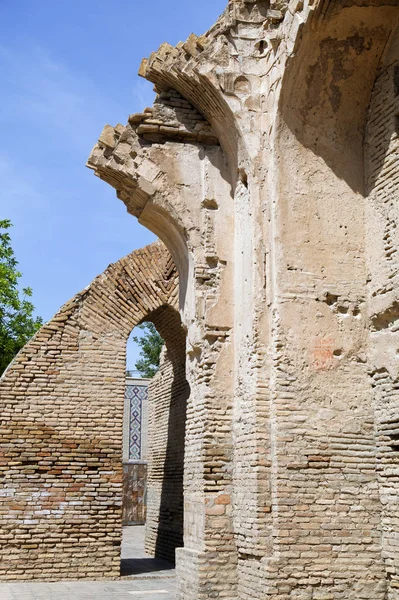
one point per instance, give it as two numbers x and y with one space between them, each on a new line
135 562
139 589
146 579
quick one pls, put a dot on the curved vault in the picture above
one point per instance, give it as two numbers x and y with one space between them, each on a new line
61 430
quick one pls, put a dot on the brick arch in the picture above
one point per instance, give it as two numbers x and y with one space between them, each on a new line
61 431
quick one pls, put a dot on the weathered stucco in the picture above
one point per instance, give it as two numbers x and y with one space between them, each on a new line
284 233
268 166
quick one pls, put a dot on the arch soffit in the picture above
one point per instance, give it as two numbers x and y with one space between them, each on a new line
329 78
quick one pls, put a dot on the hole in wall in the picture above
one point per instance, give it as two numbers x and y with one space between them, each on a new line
330 299
212 262
242 176
396 80
387 319
394 443
210 204
261 47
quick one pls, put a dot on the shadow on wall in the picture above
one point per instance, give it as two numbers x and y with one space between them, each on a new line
171 513
382 131
328 82
168 394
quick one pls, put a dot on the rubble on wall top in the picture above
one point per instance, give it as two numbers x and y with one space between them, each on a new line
173 118
181 66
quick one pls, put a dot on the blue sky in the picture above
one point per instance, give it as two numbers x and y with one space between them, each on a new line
67 69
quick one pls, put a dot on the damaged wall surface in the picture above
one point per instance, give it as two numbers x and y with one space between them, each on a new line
268 165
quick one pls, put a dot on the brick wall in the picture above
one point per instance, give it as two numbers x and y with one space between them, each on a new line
382 229
282 498
61 425
168 393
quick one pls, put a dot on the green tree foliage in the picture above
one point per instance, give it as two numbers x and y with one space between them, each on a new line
17 324
151 345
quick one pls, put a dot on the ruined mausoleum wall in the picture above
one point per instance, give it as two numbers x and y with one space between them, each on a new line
182 191
324 433
61 425
252 168
267 228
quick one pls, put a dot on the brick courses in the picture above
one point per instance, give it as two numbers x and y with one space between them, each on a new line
61 424
282 222
290 461
168 394
382 231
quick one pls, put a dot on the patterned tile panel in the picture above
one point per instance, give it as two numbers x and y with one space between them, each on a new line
136 395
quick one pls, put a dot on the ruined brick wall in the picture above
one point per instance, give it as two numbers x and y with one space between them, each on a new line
168 393
61 425
326 508
251 167
140 171
172 117
382 231
281 488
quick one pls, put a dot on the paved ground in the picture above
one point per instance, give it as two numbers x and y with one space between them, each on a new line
143 578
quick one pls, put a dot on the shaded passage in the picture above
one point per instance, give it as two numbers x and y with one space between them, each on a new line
135 562
146 577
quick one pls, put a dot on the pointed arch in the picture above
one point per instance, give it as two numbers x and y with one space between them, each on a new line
61 433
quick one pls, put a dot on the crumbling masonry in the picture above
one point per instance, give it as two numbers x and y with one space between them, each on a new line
268 165
61 429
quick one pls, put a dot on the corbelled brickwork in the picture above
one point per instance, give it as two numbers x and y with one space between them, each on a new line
61 423
173 118
285 236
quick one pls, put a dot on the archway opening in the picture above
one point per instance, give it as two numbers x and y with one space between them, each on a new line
154 433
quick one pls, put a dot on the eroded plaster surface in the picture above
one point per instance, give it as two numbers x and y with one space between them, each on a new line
268 167
282 223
